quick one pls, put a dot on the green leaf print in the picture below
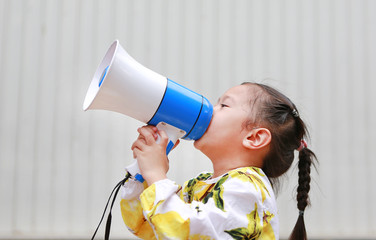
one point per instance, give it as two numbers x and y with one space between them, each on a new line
204 176
218 199
189 189
252 231
238 233
217 193
223 179
207 197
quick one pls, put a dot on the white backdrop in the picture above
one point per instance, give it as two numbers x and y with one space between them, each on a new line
58 164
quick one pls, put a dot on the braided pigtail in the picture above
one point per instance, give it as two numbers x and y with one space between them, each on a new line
306 158
276 112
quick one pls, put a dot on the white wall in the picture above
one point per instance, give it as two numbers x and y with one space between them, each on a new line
58 164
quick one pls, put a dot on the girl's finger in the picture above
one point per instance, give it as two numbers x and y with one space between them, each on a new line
163 137
135 152
149 133
138 144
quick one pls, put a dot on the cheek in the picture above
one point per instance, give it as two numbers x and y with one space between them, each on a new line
220 125
206 138
212 136
221 131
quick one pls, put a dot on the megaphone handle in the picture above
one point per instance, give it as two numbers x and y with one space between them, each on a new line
173 134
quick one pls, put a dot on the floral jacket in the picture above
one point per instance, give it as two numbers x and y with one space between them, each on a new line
238 205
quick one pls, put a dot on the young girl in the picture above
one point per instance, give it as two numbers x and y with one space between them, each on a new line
251 142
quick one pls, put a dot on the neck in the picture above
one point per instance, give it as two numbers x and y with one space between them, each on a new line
222 165
219 171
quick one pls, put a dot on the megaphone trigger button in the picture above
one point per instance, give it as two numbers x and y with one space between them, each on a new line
139 178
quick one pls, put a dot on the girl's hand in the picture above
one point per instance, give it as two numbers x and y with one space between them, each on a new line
151 156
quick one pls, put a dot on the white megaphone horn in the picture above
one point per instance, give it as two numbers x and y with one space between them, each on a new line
123 85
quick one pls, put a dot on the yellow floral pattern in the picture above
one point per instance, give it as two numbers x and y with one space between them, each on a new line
252 231
238 205
200 237
170 225
254 178
133 218
267 231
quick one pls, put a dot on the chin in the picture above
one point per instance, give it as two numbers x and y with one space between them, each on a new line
199 144
196 144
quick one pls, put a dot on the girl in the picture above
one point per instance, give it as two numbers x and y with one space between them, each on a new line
250 141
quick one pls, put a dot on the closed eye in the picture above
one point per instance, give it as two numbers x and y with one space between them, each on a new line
224 105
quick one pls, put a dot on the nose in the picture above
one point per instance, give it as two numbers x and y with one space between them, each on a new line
215 108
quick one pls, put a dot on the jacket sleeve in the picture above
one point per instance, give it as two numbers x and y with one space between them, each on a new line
232 211
131 209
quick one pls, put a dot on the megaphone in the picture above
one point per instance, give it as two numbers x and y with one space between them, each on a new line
123 85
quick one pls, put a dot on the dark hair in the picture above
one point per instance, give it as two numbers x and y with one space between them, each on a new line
276 112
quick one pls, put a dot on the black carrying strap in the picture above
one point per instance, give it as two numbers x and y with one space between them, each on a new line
109 218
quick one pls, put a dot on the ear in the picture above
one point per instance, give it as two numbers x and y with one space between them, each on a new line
257 138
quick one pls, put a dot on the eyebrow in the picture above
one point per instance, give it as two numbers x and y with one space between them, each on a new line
225 97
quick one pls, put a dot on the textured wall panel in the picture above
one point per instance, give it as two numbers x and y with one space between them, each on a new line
58 164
